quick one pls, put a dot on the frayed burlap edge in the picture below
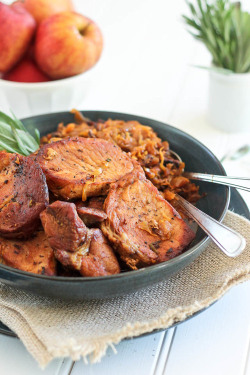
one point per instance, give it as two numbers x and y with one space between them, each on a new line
98 349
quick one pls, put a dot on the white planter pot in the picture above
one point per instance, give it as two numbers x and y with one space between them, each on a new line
229 101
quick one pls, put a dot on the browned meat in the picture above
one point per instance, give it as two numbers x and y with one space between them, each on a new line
63 227
94 258
90 216
96 202
77 248
82 167
144 228
32 255
23 195
143 144
101 259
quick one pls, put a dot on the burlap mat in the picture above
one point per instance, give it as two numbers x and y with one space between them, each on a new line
50 328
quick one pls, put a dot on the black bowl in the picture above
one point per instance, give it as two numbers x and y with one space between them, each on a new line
197 158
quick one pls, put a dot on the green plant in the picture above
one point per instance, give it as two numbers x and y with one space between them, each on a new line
225 30
15 137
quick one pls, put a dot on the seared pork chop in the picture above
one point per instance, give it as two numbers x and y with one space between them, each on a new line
63 227
96 202
143 227
23 195
82 167
76 247
90 216
32 255
94 258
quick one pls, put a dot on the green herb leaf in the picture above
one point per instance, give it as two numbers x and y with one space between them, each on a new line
37 135
15 138
18 123
224 29
20 144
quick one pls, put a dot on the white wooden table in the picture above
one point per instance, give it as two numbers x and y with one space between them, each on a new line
146 69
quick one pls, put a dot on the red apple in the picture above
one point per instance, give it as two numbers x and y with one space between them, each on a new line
17 27
41 9
26 71
67 44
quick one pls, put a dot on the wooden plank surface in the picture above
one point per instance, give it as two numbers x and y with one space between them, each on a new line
133 357
14 359
215 341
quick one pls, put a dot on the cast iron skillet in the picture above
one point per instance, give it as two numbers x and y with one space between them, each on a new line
197 158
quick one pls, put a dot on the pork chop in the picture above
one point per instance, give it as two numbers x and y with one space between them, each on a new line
32 255
76 247
94 258
90 216
23 195
63 227
96 202
82 167
143 227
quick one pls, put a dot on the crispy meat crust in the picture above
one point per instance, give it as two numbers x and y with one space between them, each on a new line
63 227
76 247
96 202
143 227
143 144
90 216
86 160
32 255
82 167
94 258
23 195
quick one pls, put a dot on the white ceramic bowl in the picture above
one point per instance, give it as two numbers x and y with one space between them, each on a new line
27 99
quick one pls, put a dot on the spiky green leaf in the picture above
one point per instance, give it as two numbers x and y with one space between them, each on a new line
14 137
224 29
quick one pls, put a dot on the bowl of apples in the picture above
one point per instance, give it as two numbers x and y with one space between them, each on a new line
46 53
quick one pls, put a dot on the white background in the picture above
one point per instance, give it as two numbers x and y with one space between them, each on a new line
147 69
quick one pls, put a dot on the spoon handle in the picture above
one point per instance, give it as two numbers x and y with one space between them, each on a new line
229 241
237 182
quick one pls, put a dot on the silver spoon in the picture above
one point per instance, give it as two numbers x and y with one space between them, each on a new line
229 241
242 183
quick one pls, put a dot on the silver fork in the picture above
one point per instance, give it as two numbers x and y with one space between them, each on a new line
230 242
